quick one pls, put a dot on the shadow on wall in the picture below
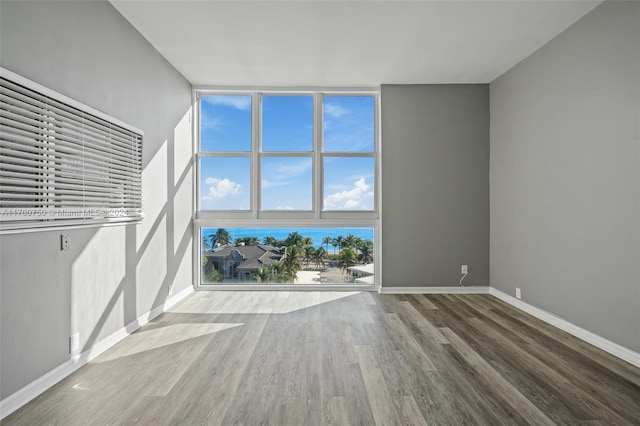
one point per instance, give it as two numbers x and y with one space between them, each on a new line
112 275
123 272
110 278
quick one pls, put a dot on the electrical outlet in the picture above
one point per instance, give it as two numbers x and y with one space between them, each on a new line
518 293
65 242
464 269
74 343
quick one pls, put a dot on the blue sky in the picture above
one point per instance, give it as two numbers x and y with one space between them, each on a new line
286 183
225 123
287 123
349 123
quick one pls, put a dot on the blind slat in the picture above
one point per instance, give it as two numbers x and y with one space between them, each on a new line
47 129
76 144
71 115
60 160
88 182
52 158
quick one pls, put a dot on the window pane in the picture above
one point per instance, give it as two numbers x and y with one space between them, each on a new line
286 183
224 183
225 123
349 183
313 256
348 123
287 123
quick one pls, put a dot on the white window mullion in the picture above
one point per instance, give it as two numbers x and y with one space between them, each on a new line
256 148
317 152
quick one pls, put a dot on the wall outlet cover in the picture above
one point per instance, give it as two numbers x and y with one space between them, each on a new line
65 242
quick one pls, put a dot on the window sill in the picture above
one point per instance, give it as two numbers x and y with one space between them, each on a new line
41 226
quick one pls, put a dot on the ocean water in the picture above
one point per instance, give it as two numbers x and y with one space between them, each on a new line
316 234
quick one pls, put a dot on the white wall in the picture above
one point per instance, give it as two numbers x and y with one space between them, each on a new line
112 275
565 175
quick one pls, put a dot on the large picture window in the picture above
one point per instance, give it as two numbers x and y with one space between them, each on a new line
269 159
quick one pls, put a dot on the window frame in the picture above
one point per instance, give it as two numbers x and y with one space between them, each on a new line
317 157
316 217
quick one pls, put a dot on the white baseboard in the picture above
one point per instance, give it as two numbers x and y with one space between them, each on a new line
615 349
435 290
35 388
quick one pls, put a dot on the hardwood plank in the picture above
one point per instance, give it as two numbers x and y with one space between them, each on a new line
423 300
316 358
613 392
410 413
531 413
544 395
357 401
376 387
336 412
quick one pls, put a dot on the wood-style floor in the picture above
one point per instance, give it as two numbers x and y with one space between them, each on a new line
307 358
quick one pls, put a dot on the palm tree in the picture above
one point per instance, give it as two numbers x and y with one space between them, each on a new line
205 243
318 257
294 239
263 275
291 262
350 241
326 241
346 258
366 251
340 241
246 240
358 242
308 253
335 244
280 274
221 237
271 241
273 274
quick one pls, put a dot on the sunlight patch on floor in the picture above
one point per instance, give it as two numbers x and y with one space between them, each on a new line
270 302
155 338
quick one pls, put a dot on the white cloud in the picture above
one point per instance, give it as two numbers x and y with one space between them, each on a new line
284 173
221 188
293 168
238 102
334 110
212 123
352 204
284 208
270 183
352 199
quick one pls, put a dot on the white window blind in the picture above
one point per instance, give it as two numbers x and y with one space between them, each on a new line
61 160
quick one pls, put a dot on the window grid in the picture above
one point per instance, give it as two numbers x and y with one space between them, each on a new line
318 156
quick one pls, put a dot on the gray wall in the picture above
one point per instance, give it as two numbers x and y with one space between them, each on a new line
565 172
112 275
435 184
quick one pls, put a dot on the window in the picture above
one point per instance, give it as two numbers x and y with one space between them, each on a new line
61 160
306 160
349 147
301 255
